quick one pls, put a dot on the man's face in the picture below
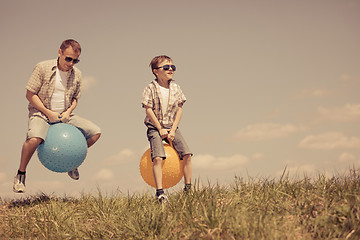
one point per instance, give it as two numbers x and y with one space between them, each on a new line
66 59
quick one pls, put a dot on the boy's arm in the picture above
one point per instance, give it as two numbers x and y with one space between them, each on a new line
150 113
178 116
38 104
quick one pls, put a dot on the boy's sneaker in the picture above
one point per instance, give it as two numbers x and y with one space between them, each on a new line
162 198
74 174
187 188
19 183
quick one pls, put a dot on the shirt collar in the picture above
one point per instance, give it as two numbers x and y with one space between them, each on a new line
156 81
55 65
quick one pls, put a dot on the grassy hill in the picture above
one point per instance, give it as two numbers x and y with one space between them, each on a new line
307 208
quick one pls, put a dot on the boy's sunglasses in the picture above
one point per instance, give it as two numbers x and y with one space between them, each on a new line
69 59
167 67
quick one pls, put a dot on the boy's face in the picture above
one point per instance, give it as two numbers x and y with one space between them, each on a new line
162 74
66 59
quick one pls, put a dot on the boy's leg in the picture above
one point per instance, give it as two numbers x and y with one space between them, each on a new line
180 145
157 170
157 155
185 154
187 168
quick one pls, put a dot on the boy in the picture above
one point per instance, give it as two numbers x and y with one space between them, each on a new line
163 101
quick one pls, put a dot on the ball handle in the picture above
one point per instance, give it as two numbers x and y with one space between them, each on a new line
171 143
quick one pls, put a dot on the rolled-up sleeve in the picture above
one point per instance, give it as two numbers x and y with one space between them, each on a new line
147 100
77 92
35 82
182 98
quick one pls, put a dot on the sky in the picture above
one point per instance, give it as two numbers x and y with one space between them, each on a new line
270 86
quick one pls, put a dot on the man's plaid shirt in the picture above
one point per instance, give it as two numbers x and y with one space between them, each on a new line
42 83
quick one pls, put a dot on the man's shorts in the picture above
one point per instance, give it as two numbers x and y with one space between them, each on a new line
157 146
38 127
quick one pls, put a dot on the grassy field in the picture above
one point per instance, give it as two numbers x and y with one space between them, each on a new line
286 208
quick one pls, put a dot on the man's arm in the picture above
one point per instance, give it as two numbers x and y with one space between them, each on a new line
65 116
38 104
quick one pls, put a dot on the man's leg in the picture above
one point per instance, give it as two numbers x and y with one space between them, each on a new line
28 149
93 139
91 133
37 130
90 130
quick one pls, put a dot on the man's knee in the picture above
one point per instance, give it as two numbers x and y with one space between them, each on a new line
96 136
34 141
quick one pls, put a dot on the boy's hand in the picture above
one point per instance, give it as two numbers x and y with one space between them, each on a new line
163 133
171 135
53 117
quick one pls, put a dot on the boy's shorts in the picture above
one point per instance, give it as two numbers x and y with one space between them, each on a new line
157 146
38 127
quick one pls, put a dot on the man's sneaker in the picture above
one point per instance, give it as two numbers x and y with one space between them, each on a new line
74 174
19 183
162 198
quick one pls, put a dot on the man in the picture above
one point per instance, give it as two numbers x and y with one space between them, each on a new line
53 91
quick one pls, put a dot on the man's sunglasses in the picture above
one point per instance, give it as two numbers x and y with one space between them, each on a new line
69 59
167 67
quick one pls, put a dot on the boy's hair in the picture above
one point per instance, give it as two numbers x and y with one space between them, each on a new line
71 42
156 60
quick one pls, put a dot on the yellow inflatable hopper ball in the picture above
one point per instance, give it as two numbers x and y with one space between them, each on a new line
172 168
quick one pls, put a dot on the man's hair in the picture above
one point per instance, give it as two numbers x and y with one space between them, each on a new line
156 60
71 42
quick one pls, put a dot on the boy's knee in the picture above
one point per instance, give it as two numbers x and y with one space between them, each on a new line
157 161
187 157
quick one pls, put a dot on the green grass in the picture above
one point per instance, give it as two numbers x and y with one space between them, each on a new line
307 208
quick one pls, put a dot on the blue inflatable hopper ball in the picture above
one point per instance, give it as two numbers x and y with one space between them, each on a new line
64 149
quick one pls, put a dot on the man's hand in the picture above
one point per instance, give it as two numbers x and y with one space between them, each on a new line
65 116
53 117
